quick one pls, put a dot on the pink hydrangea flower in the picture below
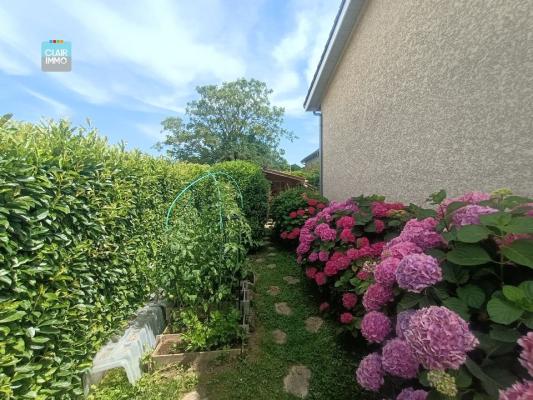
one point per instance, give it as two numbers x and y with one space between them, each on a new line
400 249
526 356
439 338
300 212
363 275
519 391
375 326
331 268
402 322
323 306
326 233
347 236
311 272
346 318
377 248
349 300
313 256
397 359
384 273
320 278
412 394
380 225
323 255
376 296
422 233
470 198
416 272
469 215
369 374
303 248
363 242
293 214
345 222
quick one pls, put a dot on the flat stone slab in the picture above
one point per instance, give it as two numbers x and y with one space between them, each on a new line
259 260
191 396
271 266
291 280
283 309
279 336
271 254
313 324
297 381
273 290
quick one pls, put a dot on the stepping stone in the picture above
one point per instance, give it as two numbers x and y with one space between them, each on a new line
271 254
283 309
297 381
191 396
273 290
259 260
291 280
271 266
313 324
279 336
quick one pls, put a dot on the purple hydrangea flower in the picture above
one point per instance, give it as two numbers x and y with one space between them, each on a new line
469 215
417 272
375 326
439 338
369 374
422 233
526 355
402 322
399 249
519 391
397 359
384 273
412 394
376 296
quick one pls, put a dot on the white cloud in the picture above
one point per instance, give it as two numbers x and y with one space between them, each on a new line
151 131
60 109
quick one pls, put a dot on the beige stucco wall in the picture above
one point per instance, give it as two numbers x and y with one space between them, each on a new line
432 94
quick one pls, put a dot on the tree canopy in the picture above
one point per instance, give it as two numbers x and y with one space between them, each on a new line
231 121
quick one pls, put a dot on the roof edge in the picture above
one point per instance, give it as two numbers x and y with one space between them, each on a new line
344 24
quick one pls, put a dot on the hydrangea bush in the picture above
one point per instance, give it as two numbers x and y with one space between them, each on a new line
291 208
448 300
339 247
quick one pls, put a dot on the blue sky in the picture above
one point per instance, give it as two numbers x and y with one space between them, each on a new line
137 62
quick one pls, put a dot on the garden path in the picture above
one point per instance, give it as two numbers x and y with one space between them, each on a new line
293 352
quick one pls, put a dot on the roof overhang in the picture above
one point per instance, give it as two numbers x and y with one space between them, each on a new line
344 24
314 154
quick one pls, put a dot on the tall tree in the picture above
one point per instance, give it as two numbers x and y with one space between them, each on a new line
233 121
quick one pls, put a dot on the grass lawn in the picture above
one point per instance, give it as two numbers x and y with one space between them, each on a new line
259 375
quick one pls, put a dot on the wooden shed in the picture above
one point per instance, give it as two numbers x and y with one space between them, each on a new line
281 181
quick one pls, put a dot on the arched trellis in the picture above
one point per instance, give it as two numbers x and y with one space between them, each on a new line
214 177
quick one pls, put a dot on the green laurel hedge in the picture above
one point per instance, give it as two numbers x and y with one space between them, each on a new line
81 224
255 190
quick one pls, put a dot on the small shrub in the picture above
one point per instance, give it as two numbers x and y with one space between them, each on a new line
291 208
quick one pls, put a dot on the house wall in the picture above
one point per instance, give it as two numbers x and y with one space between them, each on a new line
429 95
314 163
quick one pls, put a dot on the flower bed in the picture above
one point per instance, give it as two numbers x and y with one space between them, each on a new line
443 303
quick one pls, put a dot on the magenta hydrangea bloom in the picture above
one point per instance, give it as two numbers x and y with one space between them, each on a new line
369 374
417 272
376 296
325 232
313 256
526 356
399 249
323 306
519 391
380 225
331 268
320 278
349 300
345 222
323 255
375 326
347 236
346 318
412 394
439 338
384 273
469 215
402 322
397 359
